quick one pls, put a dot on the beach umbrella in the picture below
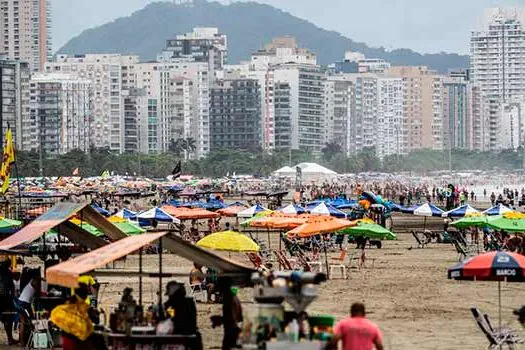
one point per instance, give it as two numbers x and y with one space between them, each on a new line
157 214
319 225
470 221
9 225
252 211
229 241
231 211
510 222
492 266
499 209
459 212
326 209
126 214
369 230
292 209
425 210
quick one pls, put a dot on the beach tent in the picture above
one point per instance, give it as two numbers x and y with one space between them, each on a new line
126 214
292 209
252 211
101 210
324 209
464 210
499 209
157 214
285 171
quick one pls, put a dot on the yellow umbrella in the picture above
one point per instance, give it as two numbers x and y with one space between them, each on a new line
229 241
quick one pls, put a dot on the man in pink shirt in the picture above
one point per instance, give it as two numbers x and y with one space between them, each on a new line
356 332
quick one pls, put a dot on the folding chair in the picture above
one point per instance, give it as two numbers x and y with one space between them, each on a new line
39 336
339 264
496 337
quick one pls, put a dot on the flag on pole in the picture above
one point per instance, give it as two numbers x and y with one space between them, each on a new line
76 172
105 174
177 170
7 161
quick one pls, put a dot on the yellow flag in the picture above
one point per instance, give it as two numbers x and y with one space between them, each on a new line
7 161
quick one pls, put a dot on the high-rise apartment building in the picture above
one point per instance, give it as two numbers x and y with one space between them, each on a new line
175 105
338 100
306 104
14 99
376 114
282 114
60 114
457 123
235 115
26 31
423 107
498 68
109 75
203 45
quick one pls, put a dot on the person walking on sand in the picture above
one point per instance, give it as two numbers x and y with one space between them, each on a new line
356 332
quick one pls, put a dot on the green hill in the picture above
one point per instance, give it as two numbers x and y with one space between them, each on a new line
248 25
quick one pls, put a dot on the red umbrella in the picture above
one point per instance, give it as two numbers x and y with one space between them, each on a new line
492 266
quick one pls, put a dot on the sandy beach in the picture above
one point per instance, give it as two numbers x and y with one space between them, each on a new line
406 292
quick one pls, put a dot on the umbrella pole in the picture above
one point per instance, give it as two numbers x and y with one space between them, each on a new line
160 271
140 276
280 245
425 224
269 241
326 259
499 304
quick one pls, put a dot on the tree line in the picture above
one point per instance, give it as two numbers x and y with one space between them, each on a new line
221 163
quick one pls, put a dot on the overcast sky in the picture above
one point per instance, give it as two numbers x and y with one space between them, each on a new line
421 25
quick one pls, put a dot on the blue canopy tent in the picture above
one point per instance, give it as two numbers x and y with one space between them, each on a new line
292 209
499 209
460 212
326 209
101 210
147 217
126 214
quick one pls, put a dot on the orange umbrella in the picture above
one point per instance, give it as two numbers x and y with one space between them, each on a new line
231 211
280 220
319 225
189 214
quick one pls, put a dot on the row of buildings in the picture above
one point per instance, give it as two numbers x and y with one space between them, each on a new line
280 99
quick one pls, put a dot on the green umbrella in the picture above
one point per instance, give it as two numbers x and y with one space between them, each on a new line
501 222
471 221
368 230
129 228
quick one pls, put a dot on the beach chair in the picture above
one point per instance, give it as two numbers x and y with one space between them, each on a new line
464 251
497 338
420 242
255 259
338 264
283 260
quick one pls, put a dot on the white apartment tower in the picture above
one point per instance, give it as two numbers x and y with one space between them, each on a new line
26 31
498 69
60 113
110 75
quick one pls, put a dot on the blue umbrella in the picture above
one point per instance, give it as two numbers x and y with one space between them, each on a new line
425 209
